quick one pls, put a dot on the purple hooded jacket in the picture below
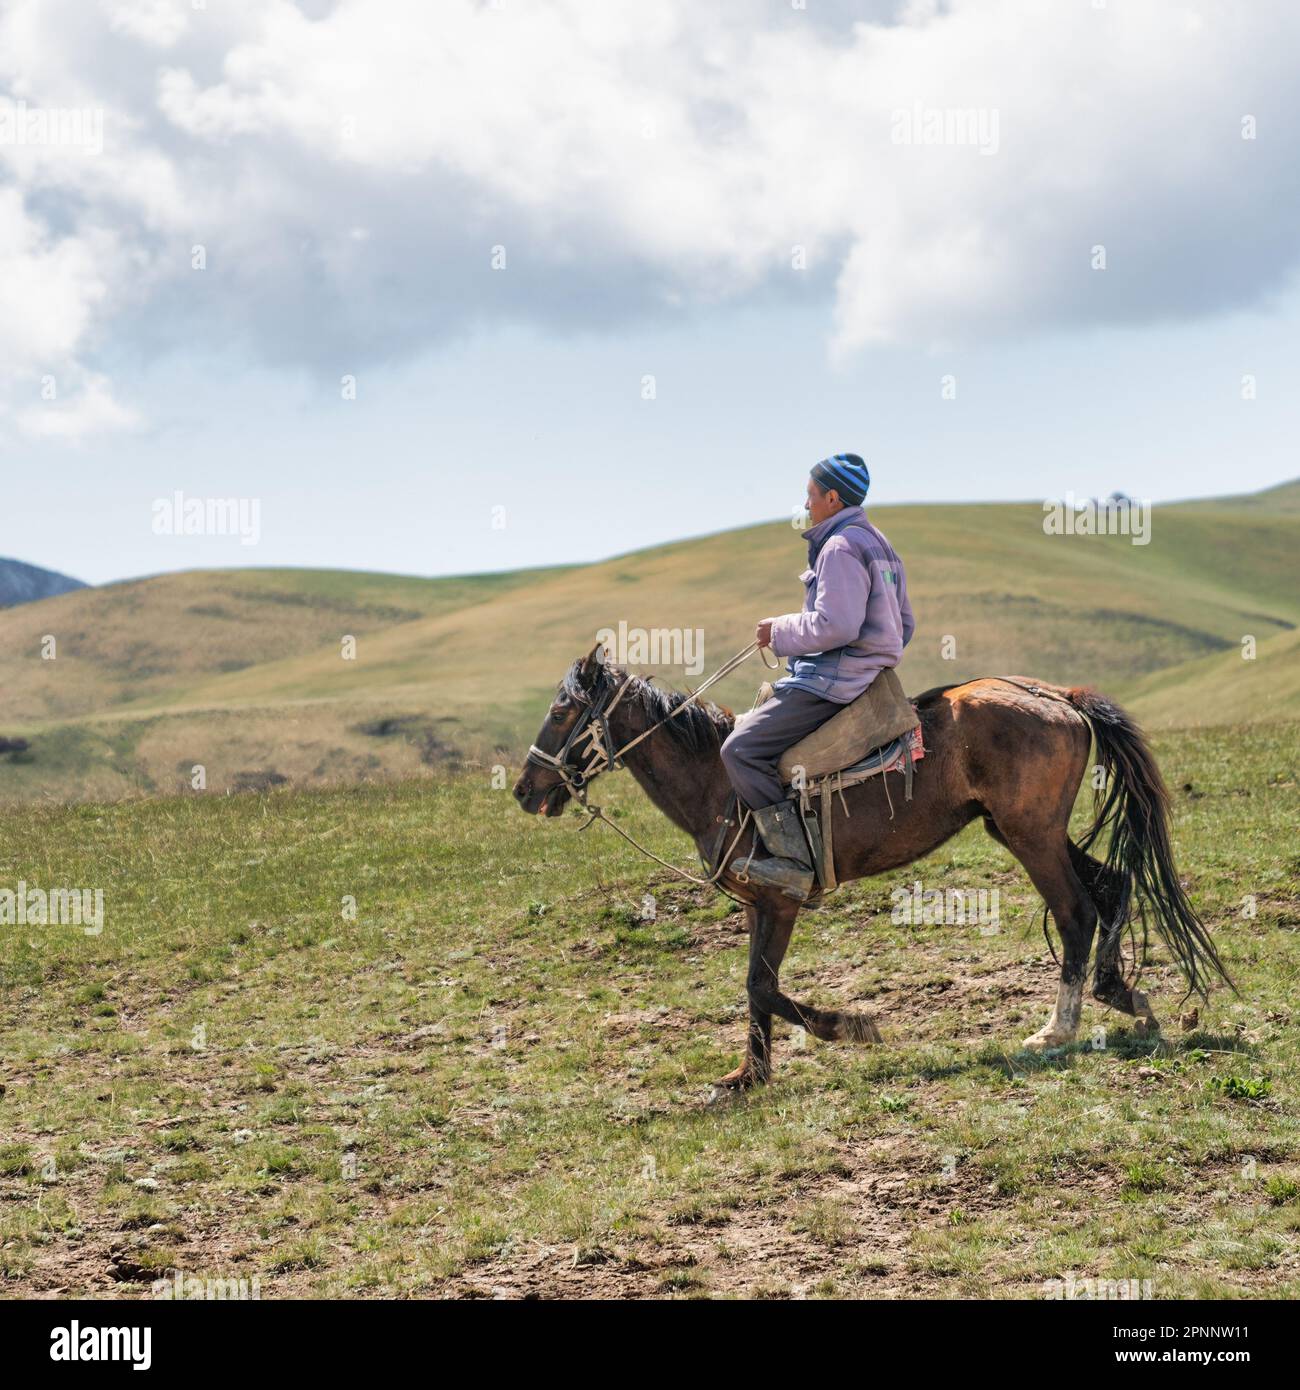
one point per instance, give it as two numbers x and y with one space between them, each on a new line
856 617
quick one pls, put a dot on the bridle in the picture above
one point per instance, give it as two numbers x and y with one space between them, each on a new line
593 730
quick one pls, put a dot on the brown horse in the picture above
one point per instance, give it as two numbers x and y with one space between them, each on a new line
992 749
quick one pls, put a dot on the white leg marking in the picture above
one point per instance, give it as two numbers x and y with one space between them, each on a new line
1063 1025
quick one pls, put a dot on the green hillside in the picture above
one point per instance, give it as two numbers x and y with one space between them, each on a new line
243 672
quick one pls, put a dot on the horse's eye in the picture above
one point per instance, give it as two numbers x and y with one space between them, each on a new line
557 716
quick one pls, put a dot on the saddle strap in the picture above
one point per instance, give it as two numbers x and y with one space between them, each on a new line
727 819
826 810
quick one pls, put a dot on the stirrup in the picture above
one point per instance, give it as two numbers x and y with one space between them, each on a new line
789 869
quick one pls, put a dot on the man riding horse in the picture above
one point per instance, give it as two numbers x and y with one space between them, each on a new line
1011 751
855 622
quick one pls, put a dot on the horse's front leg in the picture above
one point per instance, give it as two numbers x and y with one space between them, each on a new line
771 921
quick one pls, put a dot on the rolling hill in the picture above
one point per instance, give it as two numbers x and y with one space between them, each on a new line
244 673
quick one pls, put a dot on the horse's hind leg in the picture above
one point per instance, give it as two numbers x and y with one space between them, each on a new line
1049 866
1109 986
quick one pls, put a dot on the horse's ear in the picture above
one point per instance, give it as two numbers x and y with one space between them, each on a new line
592 663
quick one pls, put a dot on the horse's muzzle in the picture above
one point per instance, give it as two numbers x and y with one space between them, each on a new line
540 801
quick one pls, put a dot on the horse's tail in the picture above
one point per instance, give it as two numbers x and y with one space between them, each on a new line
1134 807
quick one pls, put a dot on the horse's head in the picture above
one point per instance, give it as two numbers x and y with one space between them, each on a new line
572 734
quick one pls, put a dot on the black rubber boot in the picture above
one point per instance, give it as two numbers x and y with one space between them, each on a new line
790 866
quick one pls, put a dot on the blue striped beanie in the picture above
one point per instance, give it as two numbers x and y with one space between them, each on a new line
847 474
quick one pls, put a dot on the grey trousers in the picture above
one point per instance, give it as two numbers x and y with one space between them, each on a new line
752 753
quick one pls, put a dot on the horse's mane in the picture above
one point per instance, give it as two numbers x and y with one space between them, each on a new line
701 727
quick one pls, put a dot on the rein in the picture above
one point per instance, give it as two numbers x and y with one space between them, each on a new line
593 729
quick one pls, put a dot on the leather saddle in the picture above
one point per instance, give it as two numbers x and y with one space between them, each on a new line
867 737
879 716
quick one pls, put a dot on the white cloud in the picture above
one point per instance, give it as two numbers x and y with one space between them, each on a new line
89 410
49 288
635 159
156 22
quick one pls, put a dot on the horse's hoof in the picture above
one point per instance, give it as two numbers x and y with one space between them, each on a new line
1144 1022
1045 1039
735 1083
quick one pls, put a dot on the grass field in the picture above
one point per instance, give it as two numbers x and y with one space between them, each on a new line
492 1082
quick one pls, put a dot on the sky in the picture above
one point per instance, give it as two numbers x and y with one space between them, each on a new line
474 286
